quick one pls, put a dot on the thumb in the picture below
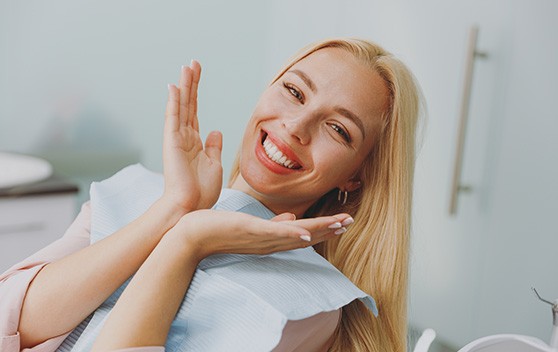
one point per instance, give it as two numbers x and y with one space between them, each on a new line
214 145
284 217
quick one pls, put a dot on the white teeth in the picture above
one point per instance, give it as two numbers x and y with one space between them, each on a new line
276 155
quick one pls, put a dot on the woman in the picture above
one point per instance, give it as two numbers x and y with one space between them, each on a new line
333 134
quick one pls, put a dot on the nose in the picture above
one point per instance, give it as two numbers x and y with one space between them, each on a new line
298 127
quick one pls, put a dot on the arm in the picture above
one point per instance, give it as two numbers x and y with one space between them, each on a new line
68 290
144 313
15 282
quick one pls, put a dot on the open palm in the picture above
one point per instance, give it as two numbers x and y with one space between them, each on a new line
192 170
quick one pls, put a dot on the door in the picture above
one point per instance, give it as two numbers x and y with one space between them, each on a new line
472 273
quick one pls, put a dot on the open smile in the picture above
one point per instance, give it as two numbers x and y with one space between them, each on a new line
276 155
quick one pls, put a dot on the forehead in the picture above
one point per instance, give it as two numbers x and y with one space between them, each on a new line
343 80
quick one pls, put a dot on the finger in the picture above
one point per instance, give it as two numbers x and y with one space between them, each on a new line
214 145
295 234
326 225
185 87
193 103
323 238
171 112
284 217
275 229
339 227
325 234
300 233
322 222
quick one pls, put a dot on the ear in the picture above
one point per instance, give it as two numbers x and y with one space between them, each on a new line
351 185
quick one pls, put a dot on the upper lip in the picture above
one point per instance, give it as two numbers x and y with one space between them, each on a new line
283 147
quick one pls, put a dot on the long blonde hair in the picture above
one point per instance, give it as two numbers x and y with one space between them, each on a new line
374 252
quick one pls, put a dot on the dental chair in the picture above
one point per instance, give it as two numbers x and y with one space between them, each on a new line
503 342
507 343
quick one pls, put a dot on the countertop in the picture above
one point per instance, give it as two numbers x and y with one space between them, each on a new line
52 185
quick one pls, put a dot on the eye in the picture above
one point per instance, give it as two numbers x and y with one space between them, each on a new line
342 132
294 92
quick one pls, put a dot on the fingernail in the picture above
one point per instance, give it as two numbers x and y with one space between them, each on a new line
191 62
306 238
340 231
347 221
335 225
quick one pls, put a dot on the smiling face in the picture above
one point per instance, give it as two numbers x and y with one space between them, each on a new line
311 131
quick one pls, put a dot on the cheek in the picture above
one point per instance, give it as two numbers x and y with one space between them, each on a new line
335 161
247 137
331 158
271 104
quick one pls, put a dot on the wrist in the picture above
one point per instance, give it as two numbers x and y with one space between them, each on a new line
177 198
170 210
184 240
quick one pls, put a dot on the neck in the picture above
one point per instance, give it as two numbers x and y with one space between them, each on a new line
277 206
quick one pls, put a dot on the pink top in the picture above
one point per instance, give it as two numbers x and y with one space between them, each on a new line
310 334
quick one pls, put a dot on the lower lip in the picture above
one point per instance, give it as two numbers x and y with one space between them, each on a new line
270 164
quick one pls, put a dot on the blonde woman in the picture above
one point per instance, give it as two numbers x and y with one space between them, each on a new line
332 135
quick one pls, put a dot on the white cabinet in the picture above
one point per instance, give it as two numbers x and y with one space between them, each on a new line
30 221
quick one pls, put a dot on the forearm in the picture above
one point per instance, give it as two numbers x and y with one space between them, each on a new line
68 290
144 313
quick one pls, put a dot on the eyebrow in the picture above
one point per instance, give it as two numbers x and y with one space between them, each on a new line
306 79
342 111
351 116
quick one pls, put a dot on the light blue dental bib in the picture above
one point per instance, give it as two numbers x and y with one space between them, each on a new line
234 302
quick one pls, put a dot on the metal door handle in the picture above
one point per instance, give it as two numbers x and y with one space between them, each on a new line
472 53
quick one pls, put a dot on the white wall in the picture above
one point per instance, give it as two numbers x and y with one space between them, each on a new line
93 75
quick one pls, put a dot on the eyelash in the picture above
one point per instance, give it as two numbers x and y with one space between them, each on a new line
300 97
341 132
294 92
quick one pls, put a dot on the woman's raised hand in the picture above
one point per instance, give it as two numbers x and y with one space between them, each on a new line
193 172
212 231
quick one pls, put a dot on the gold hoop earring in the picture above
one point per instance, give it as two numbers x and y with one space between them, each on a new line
346 194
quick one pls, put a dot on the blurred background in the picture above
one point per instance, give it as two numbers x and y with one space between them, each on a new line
83 85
